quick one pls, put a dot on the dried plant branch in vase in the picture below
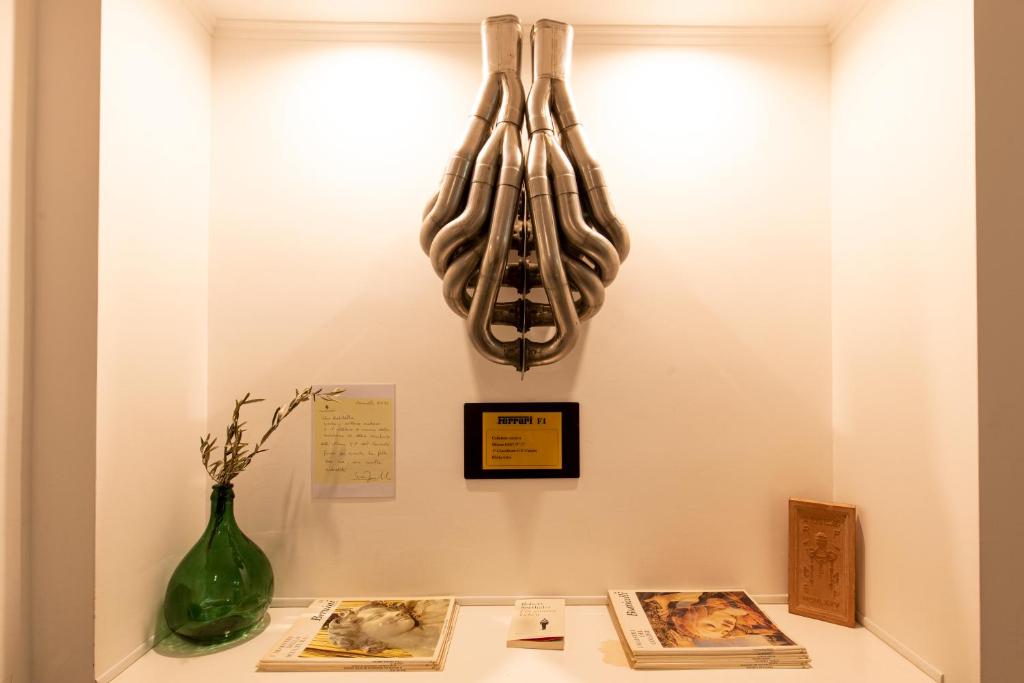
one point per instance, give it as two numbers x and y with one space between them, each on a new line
236 453
222 588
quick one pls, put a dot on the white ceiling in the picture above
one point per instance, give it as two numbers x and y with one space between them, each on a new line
647 12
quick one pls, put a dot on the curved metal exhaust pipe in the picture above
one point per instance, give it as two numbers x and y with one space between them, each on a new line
486 228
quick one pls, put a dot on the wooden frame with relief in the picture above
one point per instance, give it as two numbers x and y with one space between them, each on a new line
823 561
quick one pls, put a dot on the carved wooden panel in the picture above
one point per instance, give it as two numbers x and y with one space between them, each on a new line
823 561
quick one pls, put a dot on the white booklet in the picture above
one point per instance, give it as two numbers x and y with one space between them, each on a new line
538 623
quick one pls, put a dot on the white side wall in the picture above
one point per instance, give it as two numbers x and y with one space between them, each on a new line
704 383
904 320
154 217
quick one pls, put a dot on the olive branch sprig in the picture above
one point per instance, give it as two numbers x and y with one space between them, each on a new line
235 453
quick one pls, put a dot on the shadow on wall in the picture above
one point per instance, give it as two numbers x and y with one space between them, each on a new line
523 499
554 382
861 550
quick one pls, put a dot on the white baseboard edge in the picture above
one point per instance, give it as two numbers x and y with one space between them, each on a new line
470 600
129 659
908 654
290 602
509 600
502 600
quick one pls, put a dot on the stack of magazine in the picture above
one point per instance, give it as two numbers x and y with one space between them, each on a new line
383 634
700 630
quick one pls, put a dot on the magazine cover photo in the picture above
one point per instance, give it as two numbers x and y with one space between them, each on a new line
380 629
709 619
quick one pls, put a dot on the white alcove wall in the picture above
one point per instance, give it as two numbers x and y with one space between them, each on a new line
704 382
261 186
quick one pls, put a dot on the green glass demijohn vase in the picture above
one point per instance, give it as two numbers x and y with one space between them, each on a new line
223 586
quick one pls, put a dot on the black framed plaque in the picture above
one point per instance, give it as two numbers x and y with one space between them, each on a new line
522 440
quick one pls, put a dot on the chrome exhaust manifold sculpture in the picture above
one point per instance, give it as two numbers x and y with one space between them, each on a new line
494 224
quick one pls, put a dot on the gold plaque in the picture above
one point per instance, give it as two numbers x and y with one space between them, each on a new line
522 440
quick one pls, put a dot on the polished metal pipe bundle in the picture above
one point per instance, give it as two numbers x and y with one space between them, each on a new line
486 228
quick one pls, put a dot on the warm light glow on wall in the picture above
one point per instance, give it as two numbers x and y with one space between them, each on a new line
691 113
324 153
357 103
697 104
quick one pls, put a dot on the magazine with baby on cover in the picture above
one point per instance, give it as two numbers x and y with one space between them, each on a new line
700 629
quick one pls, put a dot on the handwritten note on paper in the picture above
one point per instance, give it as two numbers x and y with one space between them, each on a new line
354 443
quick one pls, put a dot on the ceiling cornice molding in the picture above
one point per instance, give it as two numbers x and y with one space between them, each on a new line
347 32
586 34
850 11
625 34
201 11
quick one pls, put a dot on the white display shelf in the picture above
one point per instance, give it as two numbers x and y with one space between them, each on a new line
592 654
